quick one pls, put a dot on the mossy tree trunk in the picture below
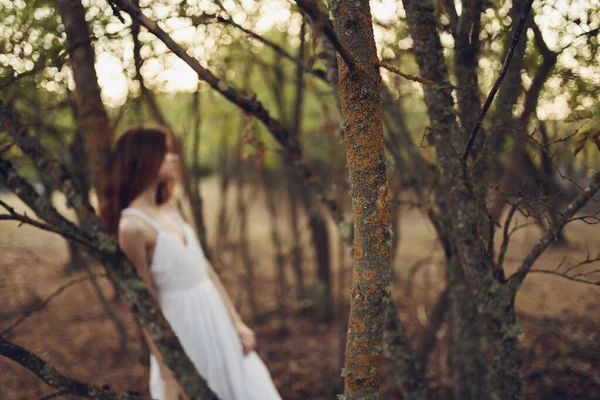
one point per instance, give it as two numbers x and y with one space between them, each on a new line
361 108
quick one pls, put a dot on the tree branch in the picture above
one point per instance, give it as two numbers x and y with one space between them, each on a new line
541 75
53 378
414 78
450 7
548 237
568 277
39 305
274 46
492 94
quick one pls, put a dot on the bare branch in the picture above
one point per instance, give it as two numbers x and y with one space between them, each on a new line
55 379
568 277
66 233
492 94
516 280
506 235
39 305
450 7
414 78
274 46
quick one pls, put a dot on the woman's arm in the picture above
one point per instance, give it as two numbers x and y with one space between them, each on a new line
247 336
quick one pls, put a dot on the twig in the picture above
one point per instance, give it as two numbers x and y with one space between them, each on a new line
571 278
506 235
414 78
42 304
24 219
55 379
516 280
274 46
503 71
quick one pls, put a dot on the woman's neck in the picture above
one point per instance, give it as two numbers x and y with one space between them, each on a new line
147 199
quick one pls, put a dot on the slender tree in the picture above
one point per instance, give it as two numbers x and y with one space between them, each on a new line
93 120
360 97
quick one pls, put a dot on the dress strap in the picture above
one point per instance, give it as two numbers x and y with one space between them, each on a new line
178 216
142 215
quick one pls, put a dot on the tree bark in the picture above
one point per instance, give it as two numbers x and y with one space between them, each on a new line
494 303
279 259
93 120
361 107
195 195
53 378
503 119
407 370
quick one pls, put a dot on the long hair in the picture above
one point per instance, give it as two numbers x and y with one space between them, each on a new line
135 163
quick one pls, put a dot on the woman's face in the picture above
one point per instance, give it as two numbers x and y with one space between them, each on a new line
169 169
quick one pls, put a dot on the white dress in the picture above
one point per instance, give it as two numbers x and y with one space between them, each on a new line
195 310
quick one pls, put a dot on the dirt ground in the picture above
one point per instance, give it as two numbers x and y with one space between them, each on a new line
560 318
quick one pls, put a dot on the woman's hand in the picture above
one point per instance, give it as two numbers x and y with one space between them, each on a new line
173 390
247 337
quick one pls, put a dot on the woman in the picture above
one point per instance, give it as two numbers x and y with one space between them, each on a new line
168 257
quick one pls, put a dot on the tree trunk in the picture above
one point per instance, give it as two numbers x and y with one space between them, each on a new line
291 173
225 179
494 301
361 107
93 120
320 241
503 120
279 259
242 214
195 195
406 368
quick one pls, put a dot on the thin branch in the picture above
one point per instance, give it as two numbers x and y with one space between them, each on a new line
540 42
24 219
42 304
53 378
506 234
548 237
568 277
589 34
503 71
274 46
450 7
322 20
414 78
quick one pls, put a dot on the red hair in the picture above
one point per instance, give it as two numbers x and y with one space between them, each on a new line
135 162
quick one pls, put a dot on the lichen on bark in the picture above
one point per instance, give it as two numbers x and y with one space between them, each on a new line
361 109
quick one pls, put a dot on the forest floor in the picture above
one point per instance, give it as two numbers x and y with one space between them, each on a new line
560 318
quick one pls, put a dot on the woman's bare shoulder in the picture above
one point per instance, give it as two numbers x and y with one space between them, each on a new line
132 228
